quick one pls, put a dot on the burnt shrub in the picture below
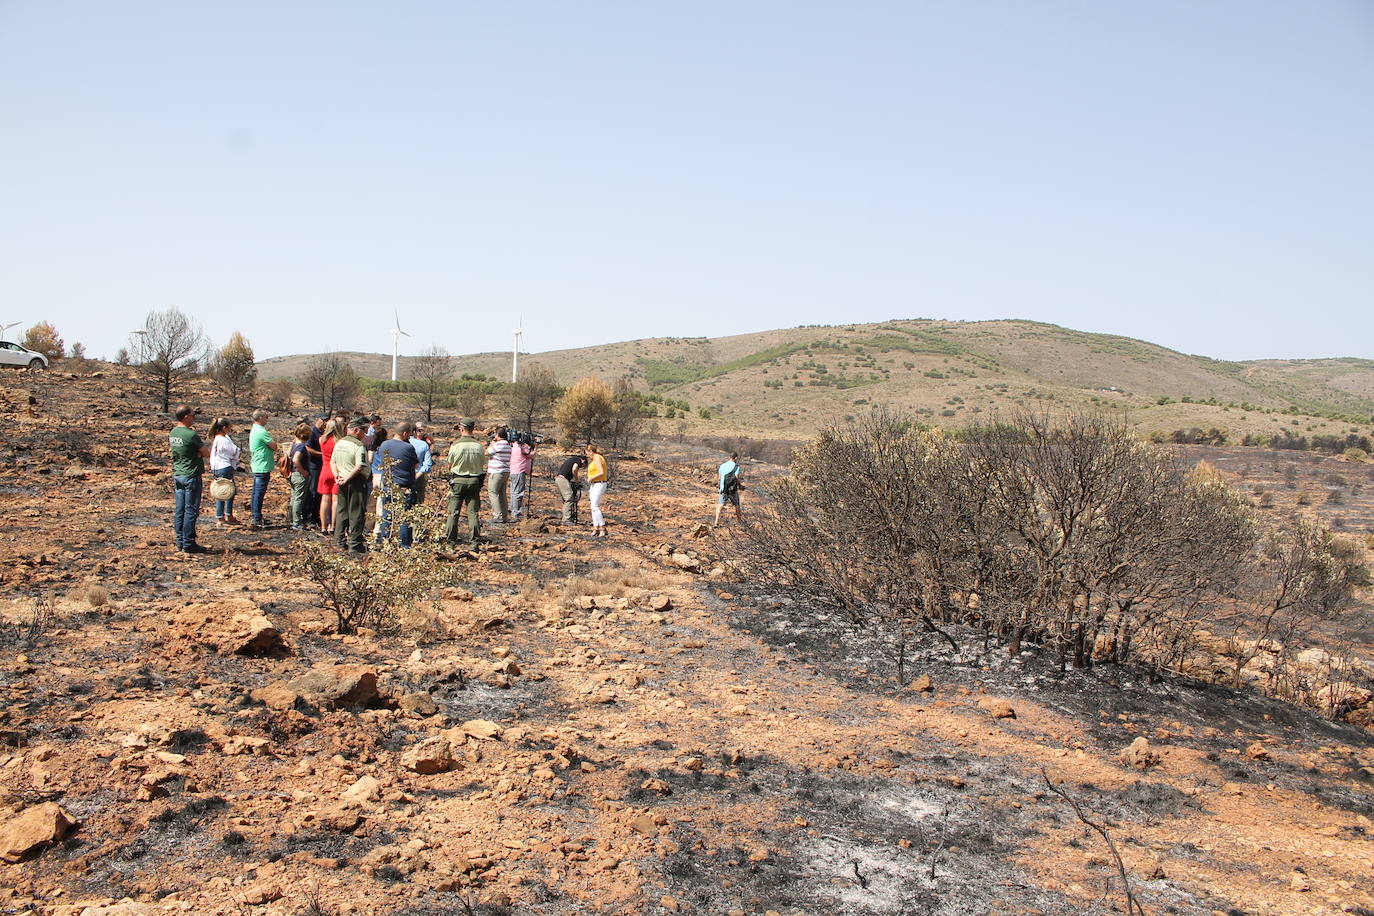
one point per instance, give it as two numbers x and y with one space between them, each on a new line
1072 535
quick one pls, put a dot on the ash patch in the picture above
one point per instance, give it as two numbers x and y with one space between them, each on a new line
857 845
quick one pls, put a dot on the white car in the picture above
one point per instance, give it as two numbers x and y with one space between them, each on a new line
11 354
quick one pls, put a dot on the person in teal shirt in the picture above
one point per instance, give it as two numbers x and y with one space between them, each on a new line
262 450
188 468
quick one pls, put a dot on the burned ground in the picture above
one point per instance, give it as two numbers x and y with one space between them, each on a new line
661 739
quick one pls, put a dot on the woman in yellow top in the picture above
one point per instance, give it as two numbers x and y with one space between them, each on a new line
597 476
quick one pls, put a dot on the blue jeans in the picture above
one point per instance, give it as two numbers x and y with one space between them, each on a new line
187 509
407 496
260 482
224 508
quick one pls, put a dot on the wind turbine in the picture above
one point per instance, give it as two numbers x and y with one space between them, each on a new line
515 352
6 327
396 333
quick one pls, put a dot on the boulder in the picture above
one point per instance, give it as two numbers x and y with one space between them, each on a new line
233 626
997 707
1140 755
433 755
923 684
660 603
337 686
685 561
32 829
1257 751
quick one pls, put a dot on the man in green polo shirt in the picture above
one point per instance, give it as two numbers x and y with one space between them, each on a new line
349 465
188 467
263 452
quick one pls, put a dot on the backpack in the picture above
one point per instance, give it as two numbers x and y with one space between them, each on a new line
731 483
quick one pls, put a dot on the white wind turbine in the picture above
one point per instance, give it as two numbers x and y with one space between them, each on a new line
515 352
396 333
6 327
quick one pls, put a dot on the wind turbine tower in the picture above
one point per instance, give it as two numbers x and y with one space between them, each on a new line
396 333
515 353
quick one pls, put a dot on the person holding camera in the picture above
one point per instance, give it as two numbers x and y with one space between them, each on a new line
729 487
521 471
498 474
569 487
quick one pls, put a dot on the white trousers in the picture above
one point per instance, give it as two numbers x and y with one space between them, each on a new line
594 495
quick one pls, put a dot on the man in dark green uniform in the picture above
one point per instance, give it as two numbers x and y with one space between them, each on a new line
467 464
188 466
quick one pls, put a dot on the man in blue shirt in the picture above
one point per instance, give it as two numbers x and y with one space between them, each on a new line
729 487
419 439
399 455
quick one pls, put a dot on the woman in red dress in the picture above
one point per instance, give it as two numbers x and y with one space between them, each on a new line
328 486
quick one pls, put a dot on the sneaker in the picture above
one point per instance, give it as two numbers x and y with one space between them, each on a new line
194 548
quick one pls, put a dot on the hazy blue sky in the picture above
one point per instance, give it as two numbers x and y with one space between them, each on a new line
1196 173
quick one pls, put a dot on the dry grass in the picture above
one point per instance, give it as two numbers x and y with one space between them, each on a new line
94 595
615 581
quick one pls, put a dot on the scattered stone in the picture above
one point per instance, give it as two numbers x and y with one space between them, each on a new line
433 755
481 728
997 707
923 684
262 893
276 696
1140 754
1298 882
660 603
32 829
418 704
366 789
685 562
337 686
1258 751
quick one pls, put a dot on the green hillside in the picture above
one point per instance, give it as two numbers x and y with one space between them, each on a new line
782 382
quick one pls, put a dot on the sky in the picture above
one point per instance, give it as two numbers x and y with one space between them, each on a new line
1197 173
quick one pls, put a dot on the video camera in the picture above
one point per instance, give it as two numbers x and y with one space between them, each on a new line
514 436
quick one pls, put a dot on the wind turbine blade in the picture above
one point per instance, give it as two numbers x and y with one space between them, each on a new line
406 333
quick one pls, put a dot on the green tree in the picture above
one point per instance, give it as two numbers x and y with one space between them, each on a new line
235 368
585 412
43 338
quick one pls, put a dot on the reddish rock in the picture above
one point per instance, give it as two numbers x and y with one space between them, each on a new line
32 829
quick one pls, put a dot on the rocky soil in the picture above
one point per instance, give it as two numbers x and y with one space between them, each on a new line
584 726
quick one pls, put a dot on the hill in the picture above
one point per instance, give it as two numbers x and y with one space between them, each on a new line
776 383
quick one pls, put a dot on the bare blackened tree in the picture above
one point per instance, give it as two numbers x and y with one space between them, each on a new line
627 416
532 396
331 382
1069 535
169 351
431 379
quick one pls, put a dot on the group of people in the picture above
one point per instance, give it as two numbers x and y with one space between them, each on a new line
338 466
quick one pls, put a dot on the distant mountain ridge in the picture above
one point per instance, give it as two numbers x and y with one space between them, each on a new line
772 382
